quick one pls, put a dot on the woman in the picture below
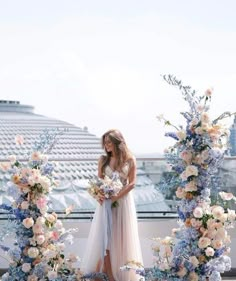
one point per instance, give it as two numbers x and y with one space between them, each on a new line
124 245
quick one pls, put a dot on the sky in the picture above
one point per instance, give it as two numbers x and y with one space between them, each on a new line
99 64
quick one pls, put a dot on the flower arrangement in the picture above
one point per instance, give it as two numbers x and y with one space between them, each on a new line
38 253
137 267
105 188
199 248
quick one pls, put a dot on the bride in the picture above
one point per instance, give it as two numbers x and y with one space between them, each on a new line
124 244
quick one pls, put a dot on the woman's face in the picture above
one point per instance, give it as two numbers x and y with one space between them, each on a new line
109 146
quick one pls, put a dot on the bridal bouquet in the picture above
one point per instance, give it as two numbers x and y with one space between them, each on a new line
107 187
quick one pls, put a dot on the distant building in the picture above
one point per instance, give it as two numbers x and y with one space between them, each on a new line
233 138
76 153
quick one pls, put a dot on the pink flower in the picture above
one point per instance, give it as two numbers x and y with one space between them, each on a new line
186 156
209 92
35 156
40 239
55 235
41 202
180 193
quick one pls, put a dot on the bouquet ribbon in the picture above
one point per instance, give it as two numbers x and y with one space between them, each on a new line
107 226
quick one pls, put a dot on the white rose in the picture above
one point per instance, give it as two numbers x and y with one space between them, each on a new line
28 222
26 267
209 252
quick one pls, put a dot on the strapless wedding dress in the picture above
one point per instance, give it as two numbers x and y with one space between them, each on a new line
124 243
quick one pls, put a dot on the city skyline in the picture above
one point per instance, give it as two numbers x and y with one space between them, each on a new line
100 64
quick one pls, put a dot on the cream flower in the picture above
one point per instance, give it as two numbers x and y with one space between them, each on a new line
217 244
226 195
28 222
204 242
33 252
191 170
193 276
24 205
182 272
194 261
217 211
181 135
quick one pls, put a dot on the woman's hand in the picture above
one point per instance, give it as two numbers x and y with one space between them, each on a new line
114 198
101 199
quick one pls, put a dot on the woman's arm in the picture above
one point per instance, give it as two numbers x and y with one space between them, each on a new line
132 181
100 162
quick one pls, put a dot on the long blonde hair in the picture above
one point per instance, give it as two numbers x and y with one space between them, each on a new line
122 153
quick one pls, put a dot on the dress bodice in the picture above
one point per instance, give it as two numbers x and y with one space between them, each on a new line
123 174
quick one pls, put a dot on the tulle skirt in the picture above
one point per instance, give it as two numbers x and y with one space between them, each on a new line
124 244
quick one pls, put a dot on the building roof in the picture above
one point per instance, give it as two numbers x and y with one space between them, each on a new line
76 153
